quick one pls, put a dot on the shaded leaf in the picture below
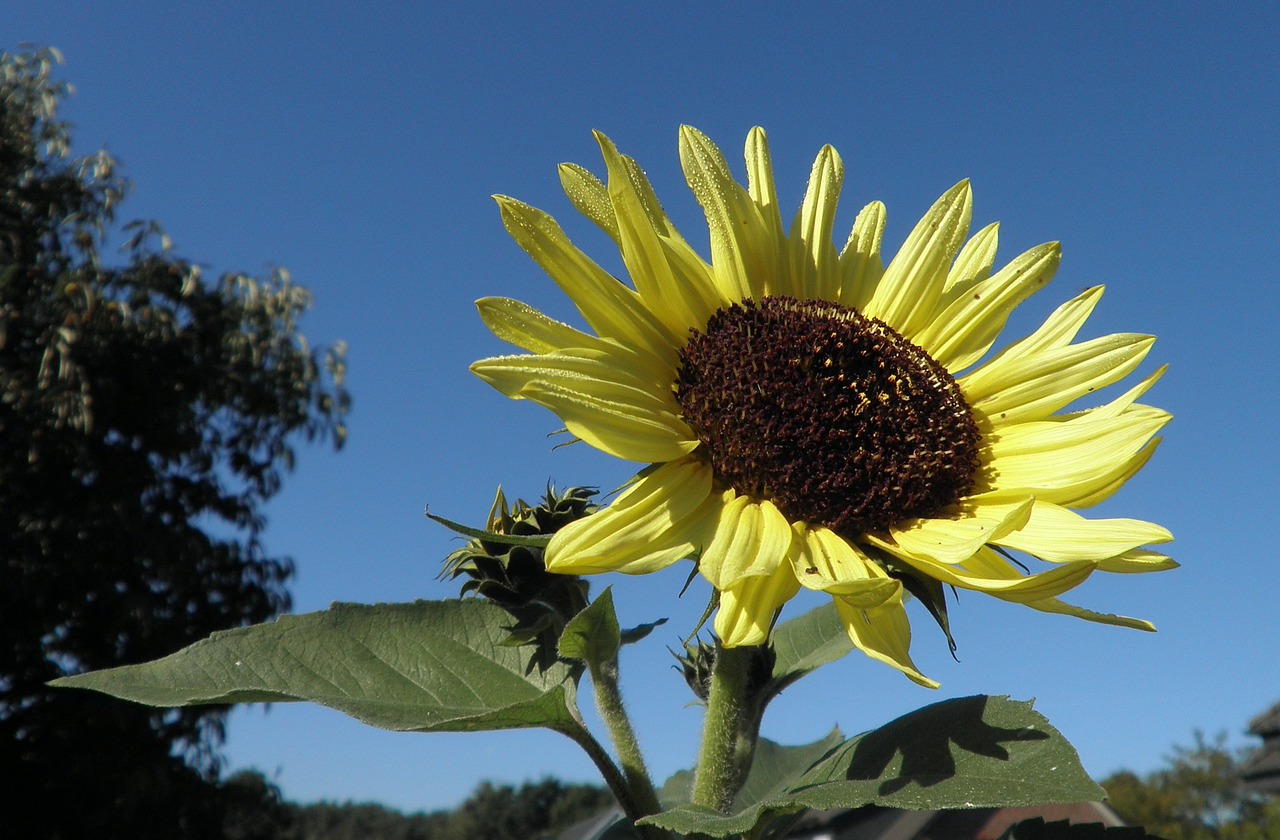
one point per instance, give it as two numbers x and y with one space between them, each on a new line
427 666
965 753
968 752
805 643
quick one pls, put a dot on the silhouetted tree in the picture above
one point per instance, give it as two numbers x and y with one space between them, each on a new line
533 811
1197 795
145 416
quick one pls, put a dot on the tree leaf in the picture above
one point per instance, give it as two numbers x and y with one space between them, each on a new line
965 753
428 666
805 643
1036 828
593 635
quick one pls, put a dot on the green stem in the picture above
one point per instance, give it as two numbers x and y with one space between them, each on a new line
608 694
612 776
729 732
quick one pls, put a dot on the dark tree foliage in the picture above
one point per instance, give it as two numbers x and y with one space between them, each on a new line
1196 795
145 416
533 811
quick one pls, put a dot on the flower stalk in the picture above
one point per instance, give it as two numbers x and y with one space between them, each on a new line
608 694
730 731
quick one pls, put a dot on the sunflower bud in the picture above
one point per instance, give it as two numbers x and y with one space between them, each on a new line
699 660
513 574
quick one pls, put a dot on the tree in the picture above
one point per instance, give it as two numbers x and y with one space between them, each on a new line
1197 795
146 414
533 811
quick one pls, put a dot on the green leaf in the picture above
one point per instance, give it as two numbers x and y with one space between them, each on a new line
805 643
773 770
593 635
965 753
429 666
970 752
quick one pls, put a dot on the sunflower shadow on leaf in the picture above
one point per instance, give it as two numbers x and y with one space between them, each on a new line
927 756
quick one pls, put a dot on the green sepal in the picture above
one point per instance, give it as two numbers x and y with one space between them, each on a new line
428 666
532 541
631 635
965 753
593 635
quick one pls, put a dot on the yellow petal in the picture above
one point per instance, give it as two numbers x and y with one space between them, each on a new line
599 400
860 265
742 250
977 521
1067 459
966 328
520 324
815 268
1057 330
761 190
908 293
678 305
660 519
612 422
884 634
750 539
1137 561
826 562
747 609
1053 605
1033 387
1059 535
609 307
973 264
589 197
986 571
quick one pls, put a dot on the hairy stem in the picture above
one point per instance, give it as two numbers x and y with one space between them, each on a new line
608 694
612 776
729 732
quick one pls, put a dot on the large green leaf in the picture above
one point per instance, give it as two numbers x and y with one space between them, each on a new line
773 771
806 642
965 753
970 752
429 666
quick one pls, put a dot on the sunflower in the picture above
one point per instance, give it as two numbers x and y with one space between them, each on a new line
812 418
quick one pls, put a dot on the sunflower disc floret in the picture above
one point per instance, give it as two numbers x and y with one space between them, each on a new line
831 415
813 418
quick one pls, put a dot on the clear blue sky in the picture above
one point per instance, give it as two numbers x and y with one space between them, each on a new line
357 145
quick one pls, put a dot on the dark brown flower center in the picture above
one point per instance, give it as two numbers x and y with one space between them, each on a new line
831 415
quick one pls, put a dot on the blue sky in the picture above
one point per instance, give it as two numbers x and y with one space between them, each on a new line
358 146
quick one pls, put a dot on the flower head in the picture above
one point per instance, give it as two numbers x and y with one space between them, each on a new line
814 418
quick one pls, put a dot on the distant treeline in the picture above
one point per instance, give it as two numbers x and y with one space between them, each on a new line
533 811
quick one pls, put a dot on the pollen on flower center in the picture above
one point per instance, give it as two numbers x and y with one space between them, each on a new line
831 415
